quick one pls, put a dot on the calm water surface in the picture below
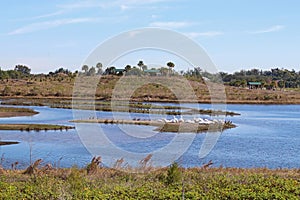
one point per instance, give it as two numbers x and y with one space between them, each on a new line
266 136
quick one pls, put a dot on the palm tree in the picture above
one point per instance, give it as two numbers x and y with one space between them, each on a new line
140 64
92 71
99 67
170 65
128 68
85 68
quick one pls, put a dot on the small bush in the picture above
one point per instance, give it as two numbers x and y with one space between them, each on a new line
173 174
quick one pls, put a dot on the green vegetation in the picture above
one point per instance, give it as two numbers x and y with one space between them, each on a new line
270 79
174 175
168 183
33 127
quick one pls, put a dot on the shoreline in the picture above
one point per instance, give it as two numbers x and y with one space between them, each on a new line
146 100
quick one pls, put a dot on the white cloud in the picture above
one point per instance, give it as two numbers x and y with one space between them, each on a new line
60 12
204 34
268 30
171 24
50 24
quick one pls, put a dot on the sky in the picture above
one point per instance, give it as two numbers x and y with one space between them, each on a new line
236 34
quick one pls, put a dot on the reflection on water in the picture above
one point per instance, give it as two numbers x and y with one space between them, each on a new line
266 136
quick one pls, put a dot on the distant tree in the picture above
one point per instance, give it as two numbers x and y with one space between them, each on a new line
92 71
61 71
85 68
14 74
244 83
198 71
3 74
24 70
99 67
170 65
128 68
140 64
110 70
281 84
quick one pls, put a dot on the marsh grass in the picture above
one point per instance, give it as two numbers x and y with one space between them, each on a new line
173 182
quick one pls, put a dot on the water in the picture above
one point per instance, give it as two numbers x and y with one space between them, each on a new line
266 136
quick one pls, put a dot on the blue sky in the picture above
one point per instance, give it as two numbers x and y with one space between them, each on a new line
236 34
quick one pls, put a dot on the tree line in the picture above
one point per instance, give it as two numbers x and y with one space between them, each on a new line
282 78
23 71
140 69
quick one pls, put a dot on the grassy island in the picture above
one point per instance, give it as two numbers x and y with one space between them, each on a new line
15 112
178 127
33 127
8 143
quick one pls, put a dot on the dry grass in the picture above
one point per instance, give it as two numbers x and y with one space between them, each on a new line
14 112
162 90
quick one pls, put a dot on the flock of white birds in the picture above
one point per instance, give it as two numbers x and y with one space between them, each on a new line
196 120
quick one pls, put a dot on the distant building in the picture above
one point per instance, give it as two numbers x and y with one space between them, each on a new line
254 85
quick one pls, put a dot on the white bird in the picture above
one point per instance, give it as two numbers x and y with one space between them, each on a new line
202 121
208 121
181 119
216 121
190 121
166 120
174 120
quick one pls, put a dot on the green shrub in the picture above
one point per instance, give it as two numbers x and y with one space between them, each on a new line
174 174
